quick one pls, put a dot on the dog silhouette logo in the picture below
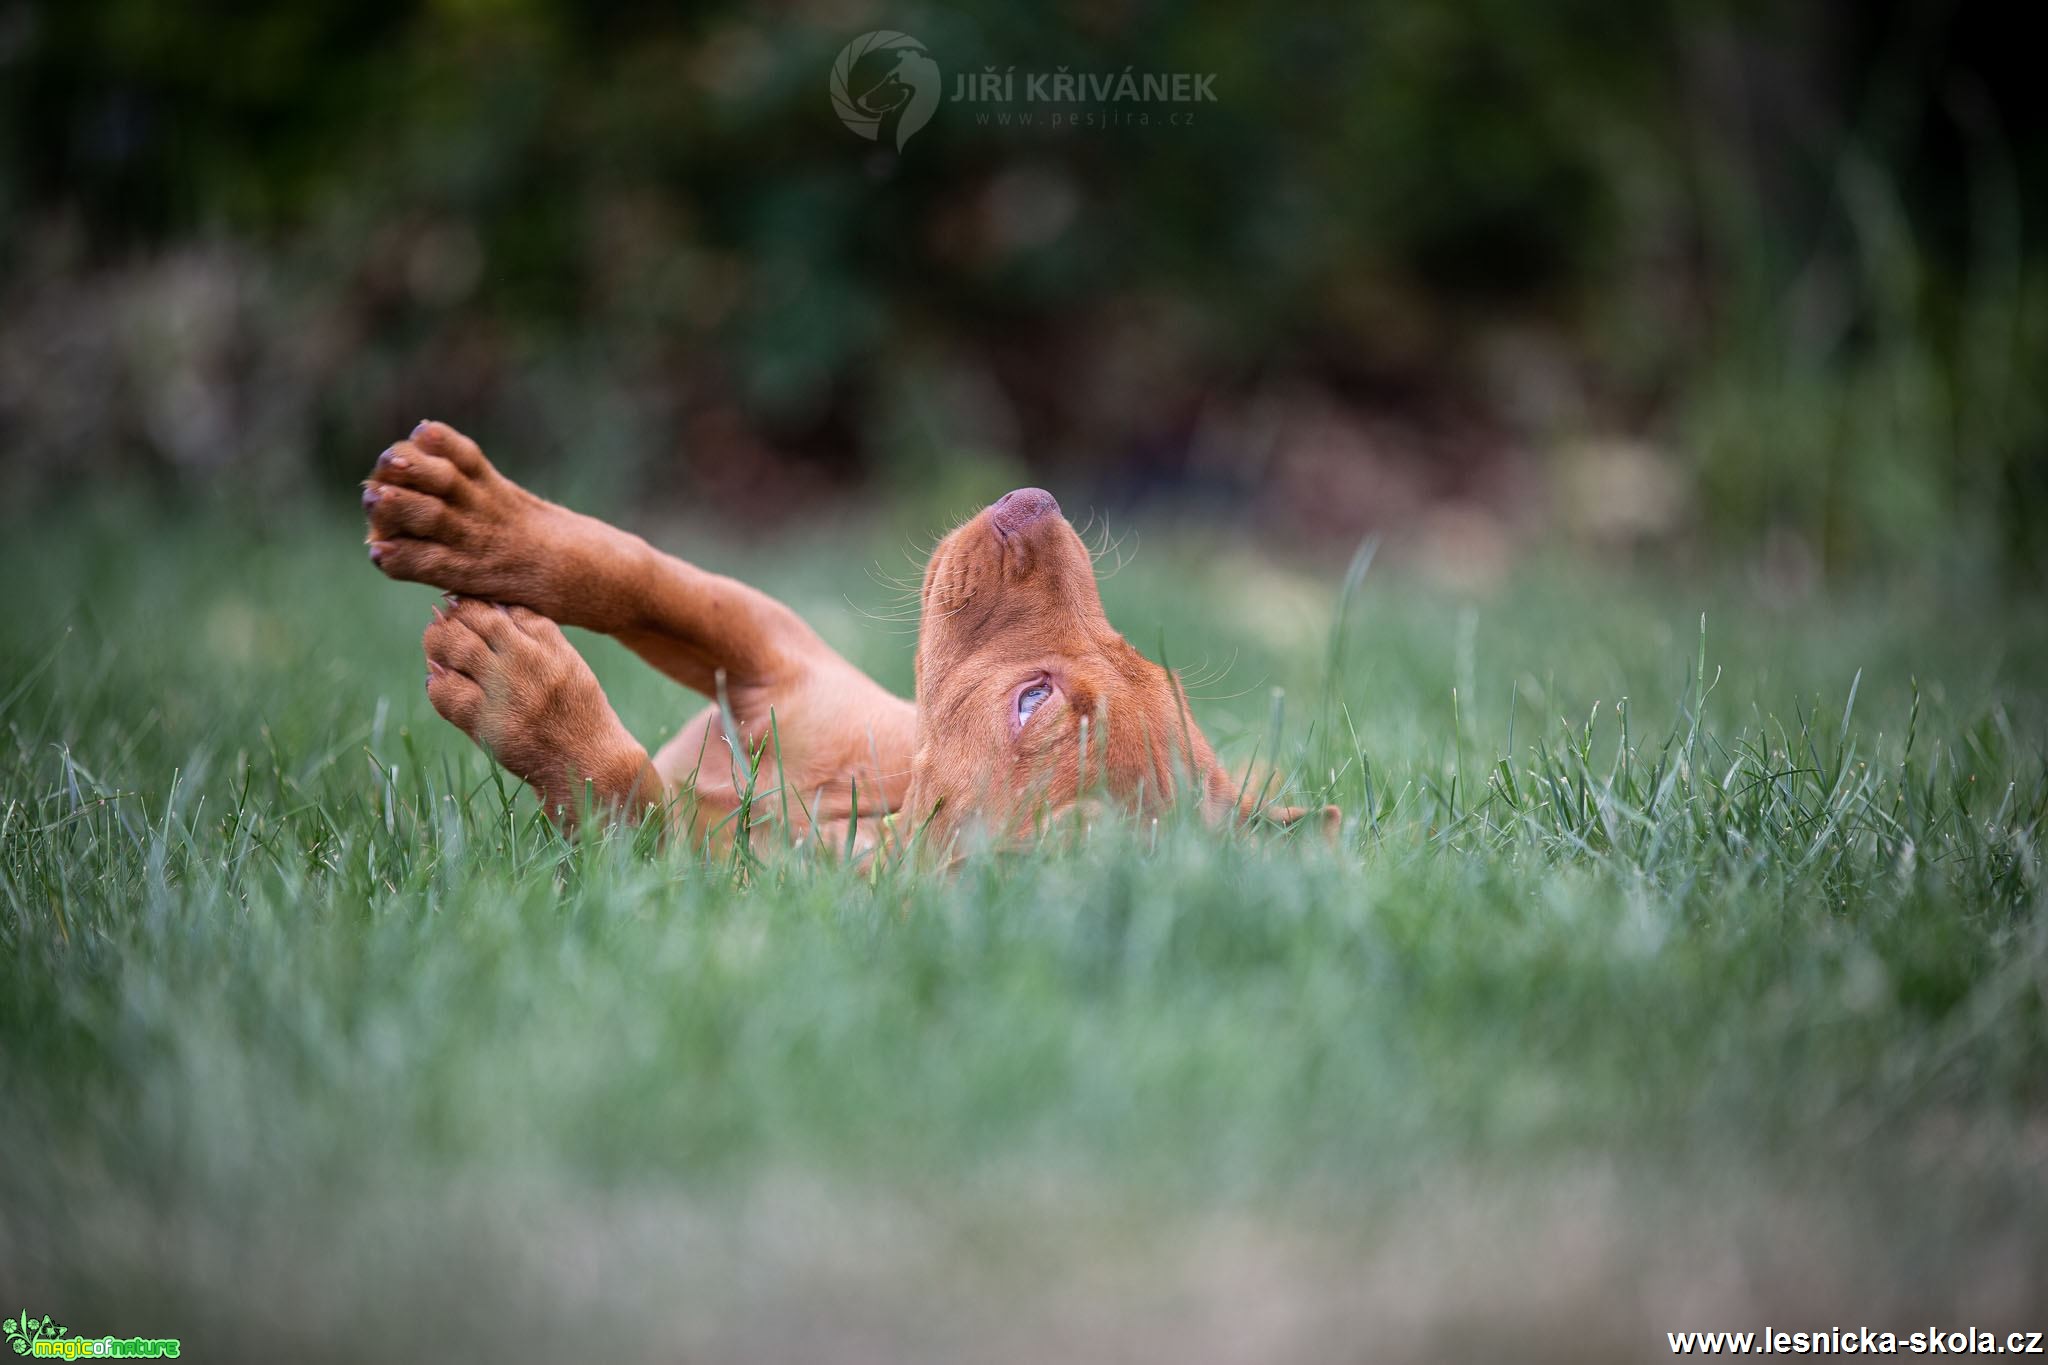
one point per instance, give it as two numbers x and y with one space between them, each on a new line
881 76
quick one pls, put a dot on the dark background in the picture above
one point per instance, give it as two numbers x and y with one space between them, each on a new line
1671 281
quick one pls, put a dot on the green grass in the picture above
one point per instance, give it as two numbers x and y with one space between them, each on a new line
1634 998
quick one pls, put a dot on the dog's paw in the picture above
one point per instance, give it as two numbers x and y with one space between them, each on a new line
510 680
440 514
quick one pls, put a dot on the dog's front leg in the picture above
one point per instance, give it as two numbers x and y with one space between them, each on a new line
441 514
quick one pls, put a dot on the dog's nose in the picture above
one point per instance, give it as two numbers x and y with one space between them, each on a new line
1020 508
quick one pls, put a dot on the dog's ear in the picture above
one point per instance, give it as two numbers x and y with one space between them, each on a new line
1252 812
1331 818
1240 800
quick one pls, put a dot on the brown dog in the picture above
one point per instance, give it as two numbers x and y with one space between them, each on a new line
1028 701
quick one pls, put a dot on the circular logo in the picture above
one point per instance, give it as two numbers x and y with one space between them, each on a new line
881 76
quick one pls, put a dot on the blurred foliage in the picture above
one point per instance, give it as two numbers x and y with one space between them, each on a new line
1673 277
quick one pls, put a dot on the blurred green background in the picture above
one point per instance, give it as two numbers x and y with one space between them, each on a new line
1669 281
1684 959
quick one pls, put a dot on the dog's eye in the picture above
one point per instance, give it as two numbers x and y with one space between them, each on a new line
1030 699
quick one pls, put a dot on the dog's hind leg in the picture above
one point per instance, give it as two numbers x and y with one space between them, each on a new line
507 678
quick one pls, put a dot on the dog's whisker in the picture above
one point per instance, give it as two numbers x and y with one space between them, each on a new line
1247 691
889 580
883 618
1113 547
1206 677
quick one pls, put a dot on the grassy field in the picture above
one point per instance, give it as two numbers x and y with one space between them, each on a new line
1633 1000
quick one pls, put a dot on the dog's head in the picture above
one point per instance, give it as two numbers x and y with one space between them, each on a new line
1027 697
